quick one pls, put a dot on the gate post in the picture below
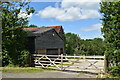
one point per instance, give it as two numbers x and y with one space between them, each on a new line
105 64
74 56
61 61
84 57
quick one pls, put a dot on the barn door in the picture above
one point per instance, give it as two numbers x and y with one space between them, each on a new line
42 51
61 51
52 52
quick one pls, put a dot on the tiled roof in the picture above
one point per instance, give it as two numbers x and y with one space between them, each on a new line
43 29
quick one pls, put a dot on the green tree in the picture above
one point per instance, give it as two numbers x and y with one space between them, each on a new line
72 43
75 45
98 46
111 30
13 37
94 46
32 25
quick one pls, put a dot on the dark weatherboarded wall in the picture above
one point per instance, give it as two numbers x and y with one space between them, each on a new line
49 40
31 44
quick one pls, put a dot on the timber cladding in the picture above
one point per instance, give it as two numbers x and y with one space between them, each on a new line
49 40
46 40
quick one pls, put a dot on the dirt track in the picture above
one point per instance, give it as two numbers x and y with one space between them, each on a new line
49 74
71 72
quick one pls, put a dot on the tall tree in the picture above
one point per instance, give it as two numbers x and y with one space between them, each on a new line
32 25
94 46
72 43
13 37
111 30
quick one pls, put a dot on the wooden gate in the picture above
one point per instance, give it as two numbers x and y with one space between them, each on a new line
75 63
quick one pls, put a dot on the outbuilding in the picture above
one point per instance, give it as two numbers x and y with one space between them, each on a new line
46 40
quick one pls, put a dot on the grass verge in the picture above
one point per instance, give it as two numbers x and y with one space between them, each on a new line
22 69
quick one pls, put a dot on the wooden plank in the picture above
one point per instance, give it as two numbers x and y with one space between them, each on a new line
39 66
57 62
85 56
52 62
67 63
45 61
105 64
46 64
61 61
35 60
59 65
78 68
71 64
46 55
70 56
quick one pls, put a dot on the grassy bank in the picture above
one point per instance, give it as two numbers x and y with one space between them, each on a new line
21 69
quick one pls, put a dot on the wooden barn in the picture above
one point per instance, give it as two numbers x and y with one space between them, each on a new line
46 40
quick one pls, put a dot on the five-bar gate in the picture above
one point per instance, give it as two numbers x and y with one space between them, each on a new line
75 63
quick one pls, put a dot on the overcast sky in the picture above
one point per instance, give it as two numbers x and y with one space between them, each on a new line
76 16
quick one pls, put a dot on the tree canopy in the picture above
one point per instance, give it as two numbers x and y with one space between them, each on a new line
111 31
32 25
75 45
72 43
13 37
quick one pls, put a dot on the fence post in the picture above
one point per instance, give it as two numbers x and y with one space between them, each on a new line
66 54
61 61
74 56
84 57
105 64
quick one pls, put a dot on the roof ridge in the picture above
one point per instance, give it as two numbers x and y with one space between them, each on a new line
46 26
57 28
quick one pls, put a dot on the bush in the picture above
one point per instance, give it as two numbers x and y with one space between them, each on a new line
24 58
115 71
11 65
21 60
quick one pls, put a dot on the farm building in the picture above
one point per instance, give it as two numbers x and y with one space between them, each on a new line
46 40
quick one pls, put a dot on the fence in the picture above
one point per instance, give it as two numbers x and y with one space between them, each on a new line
64 62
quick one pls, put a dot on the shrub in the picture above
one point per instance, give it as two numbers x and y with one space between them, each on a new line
115 71
24 58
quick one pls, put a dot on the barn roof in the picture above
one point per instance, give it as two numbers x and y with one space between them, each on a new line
43 29
38 30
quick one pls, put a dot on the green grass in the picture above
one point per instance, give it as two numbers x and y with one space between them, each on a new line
107 75
21 69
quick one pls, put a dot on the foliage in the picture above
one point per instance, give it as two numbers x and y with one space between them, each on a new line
115 71
13 37
72 42
94 46
111 32
11 65
75 45
32 25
